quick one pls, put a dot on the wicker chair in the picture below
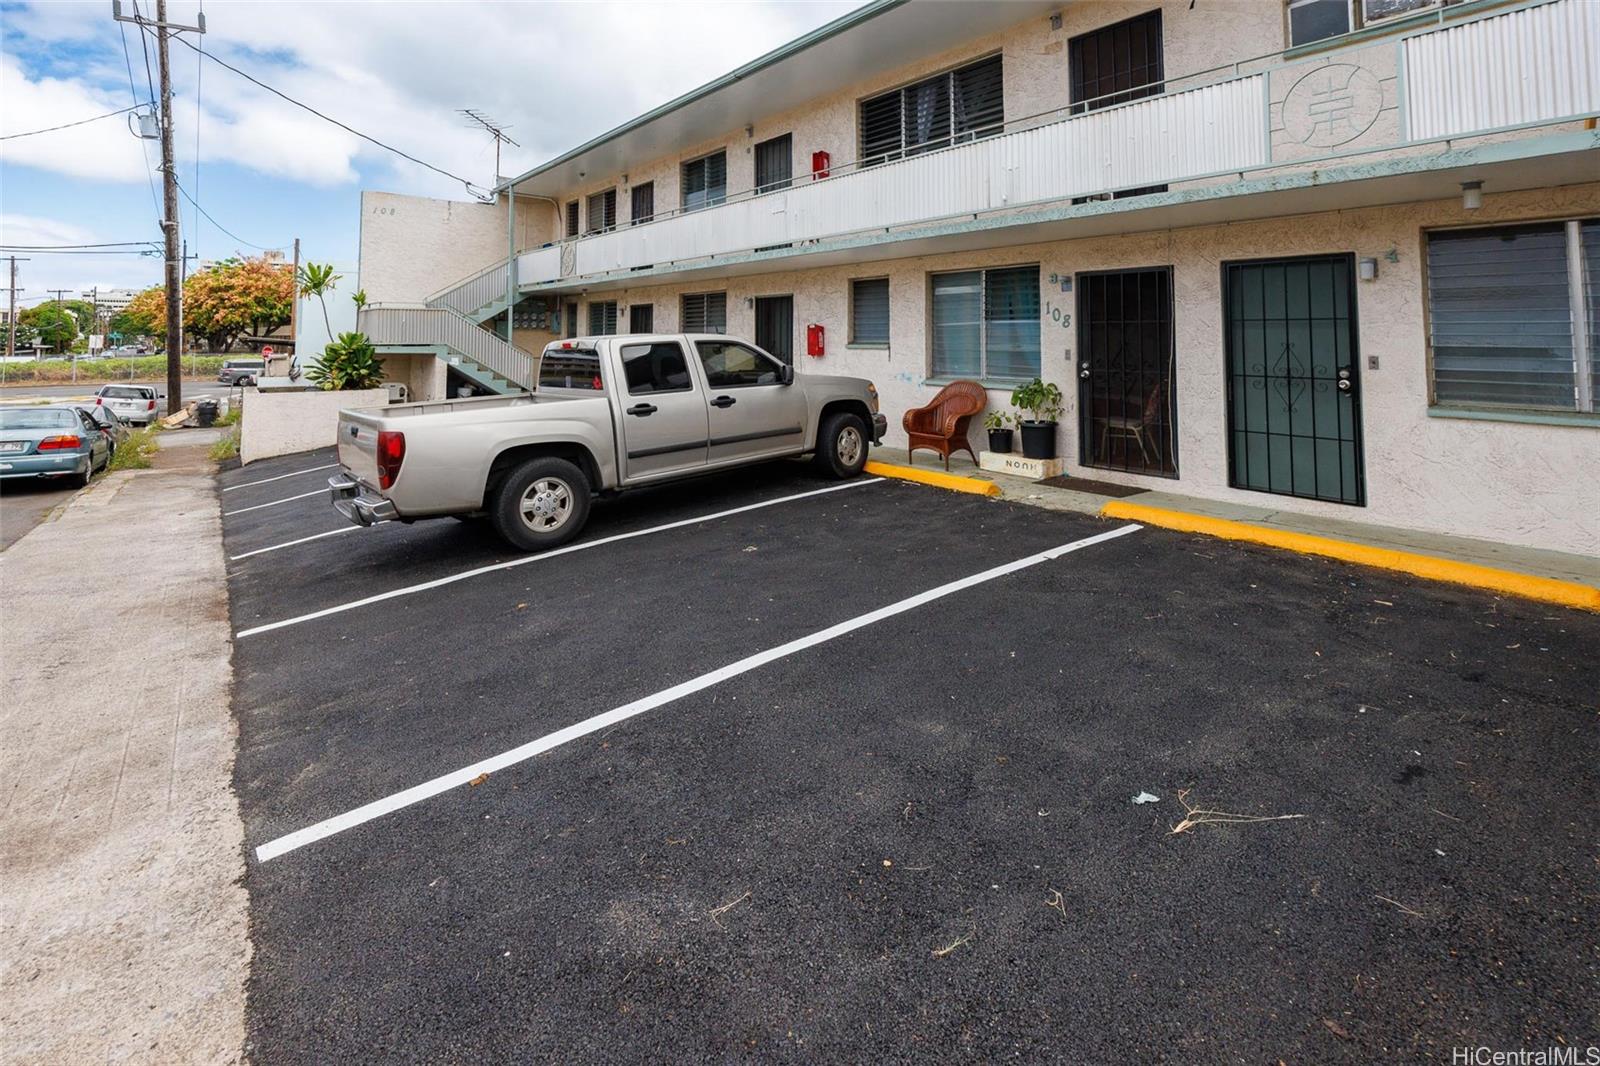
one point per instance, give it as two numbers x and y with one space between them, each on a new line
942 425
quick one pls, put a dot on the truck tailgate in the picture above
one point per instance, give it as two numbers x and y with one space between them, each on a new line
358 446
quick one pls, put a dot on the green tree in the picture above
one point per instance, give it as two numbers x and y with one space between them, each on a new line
54 327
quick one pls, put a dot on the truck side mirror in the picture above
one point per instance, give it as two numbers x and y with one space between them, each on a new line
786 375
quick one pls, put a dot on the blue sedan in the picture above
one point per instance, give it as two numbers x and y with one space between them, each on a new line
50 442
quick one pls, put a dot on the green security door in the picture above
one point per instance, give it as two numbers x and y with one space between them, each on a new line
1294 393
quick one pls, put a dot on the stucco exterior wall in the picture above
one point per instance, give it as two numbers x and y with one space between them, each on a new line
282 423
1519 483
1036 83
413 246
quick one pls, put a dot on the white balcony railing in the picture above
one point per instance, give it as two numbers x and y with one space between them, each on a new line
1519 67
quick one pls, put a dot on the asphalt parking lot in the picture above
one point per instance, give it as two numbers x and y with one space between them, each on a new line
783 783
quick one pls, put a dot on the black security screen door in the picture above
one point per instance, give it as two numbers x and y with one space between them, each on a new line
774 160
1294 395
775 326
1127 410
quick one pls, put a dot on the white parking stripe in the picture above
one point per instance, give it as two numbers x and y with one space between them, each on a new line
292 543
280 477
428 789
526 559
274 503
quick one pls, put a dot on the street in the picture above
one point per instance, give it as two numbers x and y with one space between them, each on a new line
841 771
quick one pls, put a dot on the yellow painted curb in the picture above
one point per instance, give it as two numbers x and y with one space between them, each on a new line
1509 582
937 478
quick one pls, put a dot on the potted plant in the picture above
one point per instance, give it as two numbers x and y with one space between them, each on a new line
1043 402
998 425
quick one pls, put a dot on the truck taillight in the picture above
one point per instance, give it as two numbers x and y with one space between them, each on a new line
60 442
98 401
391 453
150 406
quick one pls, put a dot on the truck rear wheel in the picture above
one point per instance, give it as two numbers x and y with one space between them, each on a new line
842 445
541 504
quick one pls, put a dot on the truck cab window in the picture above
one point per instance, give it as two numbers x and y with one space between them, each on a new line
570 368
730 365
657 367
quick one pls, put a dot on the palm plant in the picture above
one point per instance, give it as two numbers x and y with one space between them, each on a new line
350 362
318 279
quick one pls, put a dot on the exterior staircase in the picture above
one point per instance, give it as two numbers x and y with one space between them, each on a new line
480 297
468 348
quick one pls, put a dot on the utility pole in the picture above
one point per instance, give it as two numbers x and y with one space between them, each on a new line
11 322
294 307
169 225
169 186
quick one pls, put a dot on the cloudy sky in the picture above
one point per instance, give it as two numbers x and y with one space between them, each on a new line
556 73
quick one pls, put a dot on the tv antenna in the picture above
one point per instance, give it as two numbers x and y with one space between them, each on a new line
495 129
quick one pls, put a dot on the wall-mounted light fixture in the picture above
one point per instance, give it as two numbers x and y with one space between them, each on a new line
1471 195
749 131
1367 269
1055 21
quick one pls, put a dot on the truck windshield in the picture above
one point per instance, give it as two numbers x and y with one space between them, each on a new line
570 368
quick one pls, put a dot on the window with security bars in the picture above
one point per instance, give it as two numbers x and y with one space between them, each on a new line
643 208
1116 63
986 324
705 181
705 312
1514 315
603 318
602 211
572 218
869 311
950 108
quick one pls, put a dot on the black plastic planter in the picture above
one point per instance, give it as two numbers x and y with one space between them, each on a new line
1000 441
1039 440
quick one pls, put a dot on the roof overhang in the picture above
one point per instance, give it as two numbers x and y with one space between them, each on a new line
1505 166
881 35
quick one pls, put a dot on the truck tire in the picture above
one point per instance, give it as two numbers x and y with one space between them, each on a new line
541 504
842 445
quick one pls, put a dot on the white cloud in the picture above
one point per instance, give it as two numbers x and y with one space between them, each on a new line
42 273
558 73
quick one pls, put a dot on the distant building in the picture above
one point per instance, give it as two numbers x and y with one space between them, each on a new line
109 301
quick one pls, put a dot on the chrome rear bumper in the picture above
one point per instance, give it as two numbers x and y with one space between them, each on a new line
358 505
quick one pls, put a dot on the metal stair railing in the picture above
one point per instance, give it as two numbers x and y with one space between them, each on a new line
478 291
452 329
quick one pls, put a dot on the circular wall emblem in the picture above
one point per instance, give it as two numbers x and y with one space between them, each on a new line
1332 105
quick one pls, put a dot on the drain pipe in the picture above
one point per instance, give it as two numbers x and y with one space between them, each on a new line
511 253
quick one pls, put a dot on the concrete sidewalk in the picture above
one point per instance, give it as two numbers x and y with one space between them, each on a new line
1532 562
123 930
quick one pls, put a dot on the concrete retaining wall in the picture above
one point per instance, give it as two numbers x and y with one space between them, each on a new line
280 423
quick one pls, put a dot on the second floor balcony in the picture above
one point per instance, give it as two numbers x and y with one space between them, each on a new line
1509 71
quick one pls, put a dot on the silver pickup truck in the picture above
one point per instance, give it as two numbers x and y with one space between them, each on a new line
608 413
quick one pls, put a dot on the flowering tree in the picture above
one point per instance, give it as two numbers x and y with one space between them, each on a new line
238 296
145 315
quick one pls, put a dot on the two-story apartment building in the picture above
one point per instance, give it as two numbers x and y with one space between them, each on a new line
1334 256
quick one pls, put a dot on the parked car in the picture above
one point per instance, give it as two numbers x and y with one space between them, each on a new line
131 403
241 371
109 422
609 413
55 441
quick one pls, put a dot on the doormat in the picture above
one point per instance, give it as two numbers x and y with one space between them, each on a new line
1099 488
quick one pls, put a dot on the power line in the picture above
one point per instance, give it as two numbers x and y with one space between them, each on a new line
144 152
481 194
220 226
144 44
199 71
58 247
69 125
